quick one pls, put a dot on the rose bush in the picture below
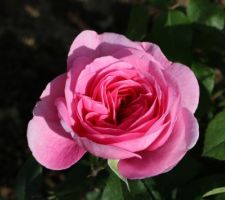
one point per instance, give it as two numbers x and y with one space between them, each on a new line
119 99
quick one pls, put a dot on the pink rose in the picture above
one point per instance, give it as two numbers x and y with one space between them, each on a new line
120 100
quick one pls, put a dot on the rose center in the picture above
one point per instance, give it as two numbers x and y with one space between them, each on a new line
124 108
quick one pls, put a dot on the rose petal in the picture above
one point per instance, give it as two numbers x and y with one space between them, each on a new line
192 127
187 83
63 114
156 52
83 45
165 158
89 43
72 76
55 88
141 61
90 72
171 116
46 107
142 142
90 105
49 143
51 146
102 150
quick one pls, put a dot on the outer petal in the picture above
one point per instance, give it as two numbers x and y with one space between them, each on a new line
46 107
51 146
105 151
156 52
72 75
165 158
89 43
49 143
83 45
141 60
187 83
191 125
55 88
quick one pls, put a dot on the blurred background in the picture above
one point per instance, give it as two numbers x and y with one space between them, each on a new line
35 36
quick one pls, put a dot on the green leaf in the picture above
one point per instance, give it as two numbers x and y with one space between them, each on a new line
207 13
93 195
29 181
214 143
137 25
113 189
205 75
173 33
196 189
113 164
142 189
139 191
151 185
215 191
176 18
220 197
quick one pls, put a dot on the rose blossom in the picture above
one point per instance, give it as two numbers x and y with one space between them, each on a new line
119 99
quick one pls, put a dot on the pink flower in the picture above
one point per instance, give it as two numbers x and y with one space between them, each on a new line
120 100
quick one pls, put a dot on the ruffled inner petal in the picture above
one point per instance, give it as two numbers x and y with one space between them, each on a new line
118 102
